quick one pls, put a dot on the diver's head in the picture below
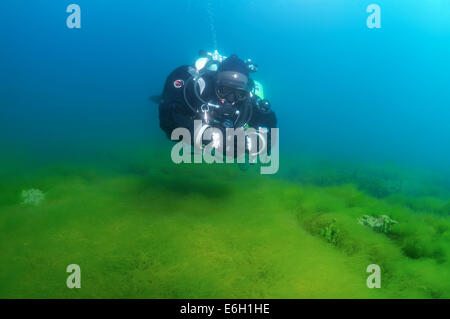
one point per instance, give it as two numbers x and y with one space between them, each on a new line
233 83
232 87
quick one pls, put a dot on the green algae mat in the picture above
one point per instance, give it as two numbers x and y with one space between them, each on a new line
142 229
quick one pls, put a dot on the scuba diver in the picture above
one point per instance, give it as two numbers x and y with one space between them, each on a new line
218 91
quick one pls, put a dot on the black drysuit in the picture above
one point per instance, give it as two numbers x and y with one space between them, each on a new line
174 111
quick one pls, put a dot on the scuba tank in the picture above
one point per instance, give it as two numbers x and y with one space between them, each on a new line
206 60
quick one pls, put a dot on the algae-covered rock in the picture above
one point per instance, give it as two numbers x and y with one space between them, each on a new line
330 233
32 197
382 223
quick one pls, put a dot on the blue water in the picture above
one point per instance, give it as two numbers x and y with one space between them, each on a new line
340 90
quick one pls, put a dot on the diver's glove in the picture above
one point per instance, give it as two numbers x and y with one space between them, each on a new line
263 106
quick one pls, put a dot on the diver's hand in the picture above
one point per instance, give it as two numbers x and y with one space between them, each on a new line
263 106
